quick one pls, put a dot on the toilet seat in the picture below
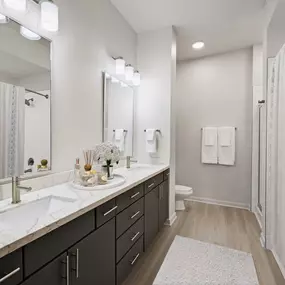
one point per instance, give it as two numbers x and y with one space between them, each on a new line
183 190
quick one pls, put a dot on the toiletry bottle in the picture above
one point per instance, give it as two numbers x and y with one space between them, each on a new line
76 178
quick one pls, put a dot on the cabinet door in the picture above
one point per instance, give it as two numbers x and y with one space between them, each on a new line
151 216
163 202
55 273
92 260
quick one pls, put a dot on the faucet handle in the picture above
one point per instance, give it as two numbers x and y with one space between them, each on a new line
24 188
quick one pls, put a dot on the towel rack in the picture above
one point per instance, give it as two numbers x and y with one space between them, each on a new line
125 131
218 127
158 131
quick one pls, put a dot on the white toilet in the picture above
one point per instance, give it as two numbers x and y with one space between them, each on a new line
182 193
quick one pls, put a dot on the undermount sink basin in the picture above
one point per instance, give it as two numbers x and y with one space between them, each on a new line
29 214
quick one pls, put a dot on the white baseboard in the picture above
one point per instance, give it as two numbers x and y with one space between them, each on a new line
219 202
281 266
262 239
171 220
258 220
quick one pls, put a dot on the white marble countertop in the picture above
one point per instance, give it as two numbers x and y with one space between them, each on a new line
84 201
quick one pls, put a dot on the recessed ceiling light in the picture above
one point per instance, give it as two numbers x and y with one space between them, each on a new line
28 34
198 45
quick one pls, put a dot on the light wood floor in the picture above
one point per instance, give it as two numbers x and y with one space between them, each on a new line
230 227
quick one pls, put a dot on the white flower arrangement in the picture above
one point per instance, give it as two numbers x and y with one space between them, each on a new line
107 152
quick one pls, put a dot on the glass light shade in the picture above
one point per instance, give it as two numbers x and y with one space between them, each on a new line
120 65
137 78
129 72
29 34
3 19
19 5
49 16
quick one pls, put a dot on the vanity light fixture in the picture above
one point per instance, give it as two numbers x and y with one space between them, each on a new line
28 34
137 78
129 72
198 45
4 19
19 5
49 15
120 65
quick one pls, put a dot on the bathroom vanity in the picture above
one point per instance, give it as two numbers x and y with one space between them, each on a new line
102 240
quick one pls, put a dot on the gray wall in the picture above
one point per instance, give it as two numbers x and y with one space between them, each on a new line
215 91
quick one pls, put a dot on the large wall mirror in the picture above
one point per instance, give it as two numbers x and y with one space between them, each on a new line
25 80
118 114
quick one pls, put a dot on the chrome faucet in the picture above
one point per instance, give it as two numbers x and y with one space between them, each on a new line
129 160
16 194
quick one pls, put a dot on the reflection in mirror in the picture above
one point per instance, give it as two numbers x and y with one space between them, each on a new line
24 102
118 114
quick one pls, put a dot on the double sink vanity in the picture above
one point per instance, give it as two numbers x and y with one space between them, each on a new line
61 235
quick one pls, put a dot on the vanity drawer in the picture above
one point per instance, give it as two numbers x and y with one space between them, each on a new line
129 238
106 212
128 198
153 182
126 265
11 268
46 248
166 174
129 216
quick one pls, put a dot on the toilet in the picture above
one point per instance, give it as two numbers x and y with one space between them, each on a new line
181 193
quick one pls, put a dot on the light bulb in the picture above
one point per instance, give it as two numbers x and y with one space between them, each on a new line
3 19
28 34
137 78
120 65
19 5
49 16
198 45
129 72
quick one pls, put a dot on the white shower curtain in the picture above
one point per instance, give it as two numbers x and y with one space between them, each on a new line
12 130
275 232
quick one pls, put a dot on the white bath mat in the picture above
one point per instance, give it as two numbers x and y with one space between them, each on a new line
192 262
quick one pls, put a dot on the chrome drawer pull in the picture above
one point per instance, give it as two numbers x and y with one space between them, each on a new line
77 263
10 274
67 270
135 259
109 212
135 236
137 213
135 195
152 184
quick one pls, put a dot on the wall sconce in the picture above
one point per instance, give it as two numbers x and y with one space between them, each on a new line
120 65
129 72
49 15
137 78
19 5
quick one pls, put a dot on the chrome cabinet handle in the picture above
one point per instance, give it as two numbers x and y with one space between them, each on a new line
109 212
135 259
10 274
135 195
135 236
67 270
77 263
152 184
134 215
168 174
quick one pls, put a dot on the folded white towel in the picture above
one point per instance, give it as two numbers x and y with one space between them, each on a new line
226 145
151 141
120 139
210 145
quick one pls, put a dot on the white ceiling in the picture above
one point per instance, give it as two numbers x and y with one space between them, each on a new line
222 24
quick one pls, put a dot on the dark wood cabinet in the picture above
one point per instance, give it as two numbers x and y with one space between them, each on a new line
163 203
151 216
92 260
11 268
55 273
